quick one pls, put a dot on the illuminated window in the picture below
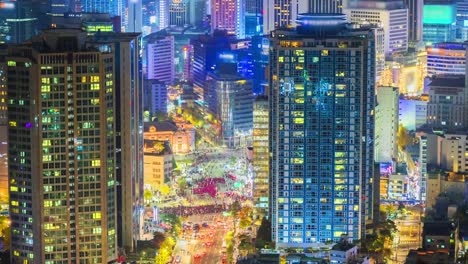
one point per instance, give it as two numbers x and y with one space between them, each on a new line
45 88
96 163
97 215
324 53
14 188
11 63
95 86
45 142
12 123
299 120
94 79
14 203
45 80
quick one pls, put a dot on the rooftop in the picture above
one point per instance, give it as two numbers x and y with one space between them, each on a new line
457 81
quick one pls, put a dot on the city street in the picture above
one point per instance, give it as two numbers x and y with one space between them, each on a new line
204 246
408 236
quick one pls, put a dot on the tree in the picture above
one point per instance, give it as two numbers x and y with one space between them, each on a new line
158 239
148 195
263 234
165 190
182 182
403 137
174 221
235 207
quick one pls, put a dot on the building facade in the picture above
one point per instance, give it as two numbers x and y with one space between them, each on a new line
261 155
386 124
392 16
158 160
61 130
446 58
326 7
155 97
415 19
454 153
232 104
281 13
179 134
412 113
321 131
447 103
160 59
224 15
439 22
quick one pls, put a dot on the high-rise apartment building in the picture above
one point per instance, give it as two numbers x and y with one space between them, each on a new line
321 131
392 16
415 19
261 156
160 59
386 124
281 13
325 6
62 150
162 12
224 15
129 134
3 87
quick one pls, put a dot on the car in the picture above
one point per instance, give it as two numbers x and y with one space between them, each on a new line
208 244
197 256
205 225
211 234
178 259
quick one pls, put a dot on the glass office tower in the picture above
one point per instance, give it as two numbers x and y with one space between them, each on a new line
61 153
321 130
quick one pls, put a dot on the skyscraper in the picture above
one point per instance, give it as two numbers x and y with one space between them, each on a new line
253 17
160 58
439 22
134 21
325 6
281 13
386 124
129 134
224 15
110 7
415 19
178 13
261 156
392 16
321 131
62 150
18 21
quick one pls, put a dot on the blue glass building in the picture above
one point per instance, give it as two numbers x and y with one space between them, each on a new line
439 22
321 131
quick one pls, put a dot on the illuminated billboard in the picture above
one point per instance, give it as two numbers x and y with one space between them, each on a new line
439 14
